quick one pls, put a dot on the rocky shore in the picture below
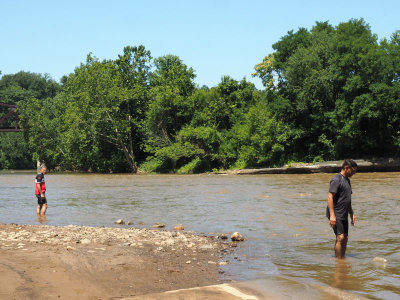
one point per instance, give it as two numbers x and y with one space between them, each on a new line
78 262
370 165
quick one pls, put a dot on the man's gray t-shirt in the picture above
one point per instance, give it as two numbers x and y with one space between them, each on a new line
340 185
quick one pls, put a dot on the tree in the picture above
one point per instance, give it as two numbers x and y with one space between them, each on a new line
31 92
171 85
336 90
105 104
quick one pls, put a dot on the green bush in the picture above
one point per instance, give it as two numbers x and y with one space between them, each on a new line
156 164
195 166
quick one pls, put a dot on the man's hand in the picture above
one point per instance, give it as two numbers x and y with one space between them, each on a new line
353 219
332 221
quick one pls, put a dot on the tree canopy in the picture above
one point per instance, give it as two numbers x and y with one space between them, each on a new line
331 92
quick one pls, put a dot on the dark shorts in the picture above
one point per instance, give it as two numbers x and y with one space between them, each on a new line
341 227
41 200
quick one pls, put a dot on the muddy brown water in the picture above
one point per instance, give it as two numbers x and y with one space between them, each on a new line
281 216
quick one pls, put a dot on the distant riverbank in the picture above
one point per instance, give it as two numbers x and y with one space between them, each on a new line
364 165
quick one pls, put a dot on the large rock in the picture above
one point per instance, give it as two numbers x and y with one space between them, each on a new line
237 237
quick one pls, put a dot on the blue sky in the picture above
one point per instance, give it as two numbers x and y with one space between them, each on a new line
215 38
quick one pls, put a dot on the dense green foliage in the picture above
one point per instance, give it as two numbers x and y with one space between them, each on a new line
338 91
330 93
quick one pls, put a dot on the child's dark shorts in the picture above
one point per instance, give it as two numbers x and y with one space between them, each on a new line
41 200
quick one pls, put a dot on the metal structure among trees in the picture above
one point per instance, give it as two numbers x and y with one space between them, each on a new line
9 122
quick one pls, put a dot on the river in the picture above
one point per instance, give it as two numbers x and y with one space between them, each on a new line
288 237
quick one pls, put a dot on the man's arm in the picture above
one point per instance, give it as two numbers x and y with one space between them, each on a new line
352 216
332 219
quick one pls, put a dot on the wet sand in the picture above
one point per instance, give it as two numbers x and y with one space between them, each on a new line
75 262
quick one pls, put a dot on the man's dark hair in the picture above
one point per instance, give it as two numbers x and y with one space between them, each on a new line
350 163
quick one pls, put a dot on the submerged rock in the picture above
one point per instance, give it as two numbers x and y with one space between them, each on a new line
130 223
237 237
380 260
159 225
179 227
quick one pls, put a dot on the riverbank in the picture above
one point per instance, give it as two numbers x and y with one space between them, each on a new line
371 165
364 166
78 262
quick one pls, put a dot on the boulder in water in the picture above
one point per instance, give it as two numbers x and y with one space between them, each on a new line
237 237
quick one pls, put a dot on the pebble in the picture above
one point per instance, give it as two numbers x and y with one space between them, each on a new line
189 262
119 222
222 236
130 223
380 259
179 227
159 225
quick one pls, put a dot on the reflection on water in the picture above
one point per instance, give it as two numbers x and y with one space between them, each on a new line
41 219
282 217
340 278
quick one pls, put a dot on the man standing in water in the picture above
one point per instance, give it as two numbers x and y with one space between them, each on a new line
40 190
339 206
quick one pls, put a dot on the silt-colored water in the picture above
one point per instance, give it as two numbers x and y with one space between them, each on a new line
281 216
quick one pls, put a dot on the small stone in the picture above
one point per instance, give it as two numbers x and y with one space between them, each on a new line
140 223
179 227
85 241
237 237
120 222
70 248
159 225
380 259
223 263
130 223
222 236
189 262
212 262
